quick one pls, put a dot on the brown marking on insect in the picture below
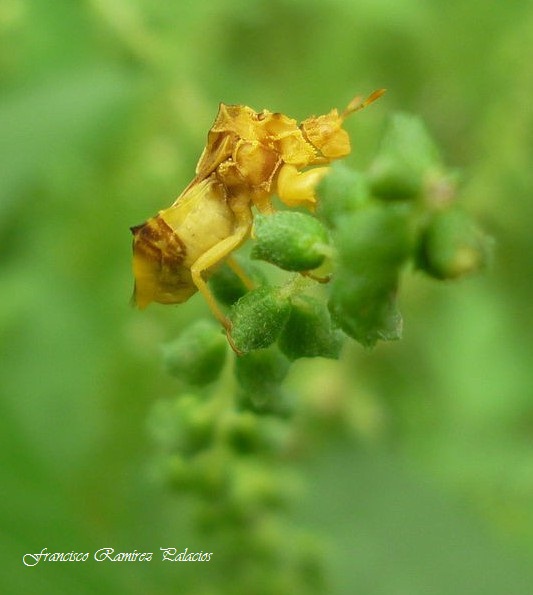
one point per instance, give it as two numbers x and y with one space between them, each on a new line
158 264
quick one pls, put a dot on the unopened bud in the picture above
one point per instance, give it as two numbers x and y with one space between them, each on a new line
197 356
453 246
290 240
308 332
406 156
258 318
341 192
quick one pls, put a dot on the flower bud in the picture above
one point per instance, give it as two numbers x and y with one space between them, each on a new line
246 432
308 332
255 487
374 239
341 192
452 246
365 307
290 240
184 424
258 318
260 374
373 245
197 356
406 156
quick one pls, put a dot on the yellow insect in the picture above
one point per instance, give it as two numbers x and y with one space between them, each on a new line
249 157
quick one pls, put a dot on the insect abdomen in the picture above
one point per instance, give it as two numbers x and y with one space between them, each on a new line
158 255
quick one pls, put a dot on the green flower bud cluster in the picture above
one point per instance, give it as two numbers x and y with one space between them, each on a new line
229 450
367 228
373 245
227 438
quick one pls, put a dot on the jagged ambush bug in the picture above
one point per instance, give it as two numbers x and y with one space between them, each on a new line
250 156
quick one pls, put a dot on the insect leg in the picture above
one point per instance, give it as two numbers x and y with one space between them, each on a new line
217 253
240 272
316 278
298 188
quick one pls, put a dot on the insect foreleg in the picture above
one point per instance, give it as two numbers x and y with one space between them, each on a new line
298 188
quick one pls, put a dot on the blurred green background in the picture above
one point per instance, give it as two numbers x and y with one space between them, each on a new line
104 110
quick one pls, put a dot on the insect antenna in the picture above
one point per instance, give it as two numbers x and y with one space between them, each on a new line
358 103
